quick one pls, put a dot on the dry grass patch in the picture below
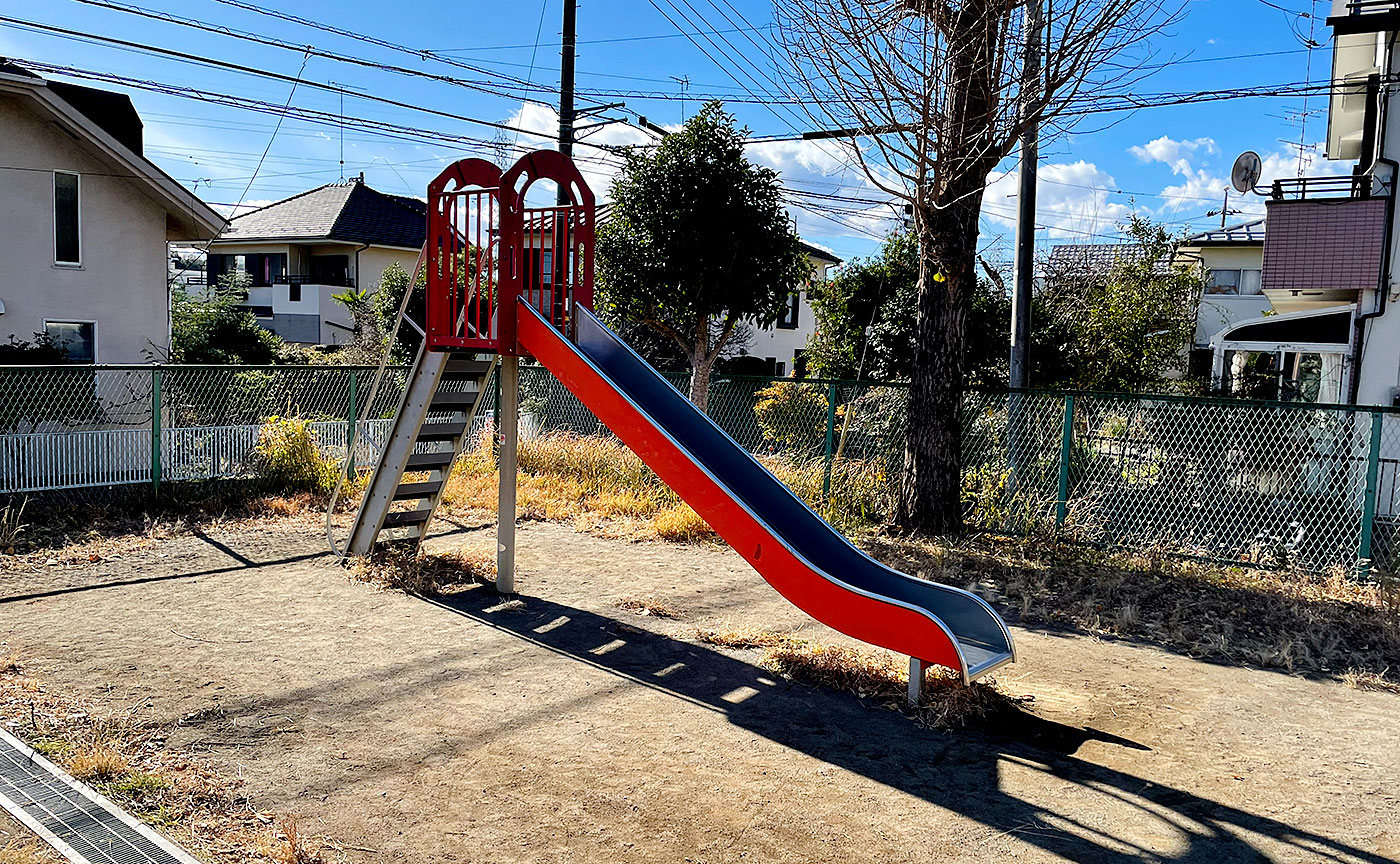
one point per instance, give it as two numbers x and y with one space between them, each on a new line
398 569
1358 679
98 762
680 524
1316 623
287 847
24 852
650 606
874 674
126 758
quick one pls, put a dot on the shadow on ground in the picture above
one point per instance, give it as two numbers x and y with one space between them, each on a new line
962 772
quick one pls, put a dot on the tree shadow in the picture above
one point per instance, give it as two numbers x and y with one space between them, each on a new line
964 773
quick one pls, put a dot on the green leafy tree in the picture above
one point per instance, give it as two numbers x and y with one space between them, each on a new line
878 296
698 242
210 327
1124 327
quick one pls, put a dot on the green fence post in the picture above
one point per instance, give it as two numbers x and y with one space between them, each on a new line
352 420
1368 506
830 439
1066 450
155 431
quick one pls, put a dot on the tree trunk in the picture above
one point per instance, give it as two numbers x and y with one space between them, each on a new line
700 368
930 492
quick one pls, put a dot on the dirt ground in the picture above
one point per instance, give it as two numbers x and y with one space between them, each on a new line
465 730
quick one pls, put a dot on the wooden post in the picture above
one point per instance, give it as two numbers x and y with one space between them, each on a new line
507 422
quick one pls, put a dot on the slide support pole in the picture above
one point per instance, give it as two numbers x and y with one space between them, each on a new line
916 680
507 419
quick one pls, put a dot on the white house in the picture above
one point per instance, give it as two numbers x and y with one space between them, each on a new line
1329 268
85 219
783 345
303 250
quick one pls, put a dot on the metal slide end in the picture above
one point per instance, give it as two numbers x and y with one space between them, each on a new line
916 681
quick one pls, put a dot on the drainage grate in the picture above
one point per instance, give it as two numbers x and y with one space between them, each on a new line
82 825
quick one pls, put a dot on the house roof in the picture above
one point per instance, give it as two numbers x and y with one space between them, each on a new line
1082 258
1246 233
817 252
351 212
106 125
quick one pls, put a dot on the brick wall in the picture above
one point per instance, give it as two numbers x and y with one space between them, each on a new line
1330 243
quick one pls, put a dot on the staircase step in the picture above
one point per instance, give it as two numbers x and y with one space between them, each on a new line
425 461
453 400
442 431
457 365
401 518
412 491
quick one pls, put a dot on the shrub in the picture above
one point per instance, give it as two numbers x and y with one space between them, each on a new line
792 416
290 458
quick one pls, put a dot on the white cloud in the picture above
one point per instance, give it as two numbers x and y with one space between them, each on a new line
1072 201
1174 153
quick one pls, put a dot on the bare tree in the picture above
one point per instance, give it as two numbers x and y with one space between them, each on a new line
937 95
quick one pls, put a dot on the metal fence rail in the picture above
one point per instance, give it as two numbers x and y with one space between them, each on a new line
1272 483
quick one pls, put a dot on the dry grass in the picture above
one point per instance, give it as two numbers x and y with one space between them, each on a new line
289 848
96 763
27 852
1358 679
1298 622
398 569
680 524
874 674
650 606
126 758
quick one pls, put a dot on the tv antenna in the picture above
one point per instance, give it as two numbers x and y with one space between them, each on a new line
341 88
684 82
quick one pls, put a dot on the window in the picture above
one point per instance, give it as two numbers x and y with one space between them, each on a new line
78 339
67 241
263 269
788 320
331 270
294 293
1233 282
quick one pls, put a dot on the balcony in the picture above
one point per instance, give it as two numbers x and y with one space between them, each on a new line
1364 16
335 280
1324 241
1344 186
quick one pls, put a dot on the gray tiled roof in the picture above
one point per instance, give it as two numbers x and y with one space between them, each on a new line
352 212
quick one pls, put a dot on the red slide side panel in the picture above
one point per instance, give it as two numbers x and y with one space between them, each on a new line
879 622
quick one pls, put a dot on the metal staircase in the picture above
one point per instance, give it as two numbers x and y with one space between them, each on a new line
445 393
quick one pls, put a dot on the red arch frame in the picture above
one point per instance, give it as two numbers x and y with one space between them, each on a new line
458 181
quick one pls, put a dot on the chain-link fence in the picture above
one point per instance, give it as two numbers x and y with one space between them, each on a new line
93 427
1280 484
1271 483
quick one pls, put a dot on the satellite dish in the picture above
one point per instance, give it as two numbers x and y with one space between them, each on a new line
1246 171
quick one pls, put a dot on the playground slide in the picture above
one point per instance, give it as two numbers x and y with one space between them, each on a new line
793 548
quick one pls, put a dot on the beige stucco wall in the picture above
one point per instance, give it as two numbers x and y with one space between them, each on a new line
121 283
1217 311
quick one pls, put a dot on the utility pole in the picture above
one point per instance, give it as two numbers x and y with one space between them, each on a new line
1024 276
566 88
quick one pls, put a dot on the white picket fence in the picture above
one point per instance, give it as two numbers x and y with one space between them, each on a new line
50 461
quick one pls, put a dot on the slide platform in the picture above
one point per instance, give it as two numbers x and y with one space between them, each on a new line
795 550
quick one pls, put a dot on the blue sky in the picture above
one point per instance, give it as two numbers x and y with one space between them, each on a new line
1169 163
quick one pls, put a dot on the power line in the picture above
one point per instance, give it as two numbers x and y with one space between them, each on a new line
223 64
592 41
208 27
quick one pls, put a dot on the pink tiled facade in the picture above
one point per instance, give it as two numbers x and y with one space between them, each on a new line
1328 243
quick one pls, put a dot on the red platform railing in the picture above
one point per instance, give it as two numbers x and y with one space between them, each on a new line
463 258
486 248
